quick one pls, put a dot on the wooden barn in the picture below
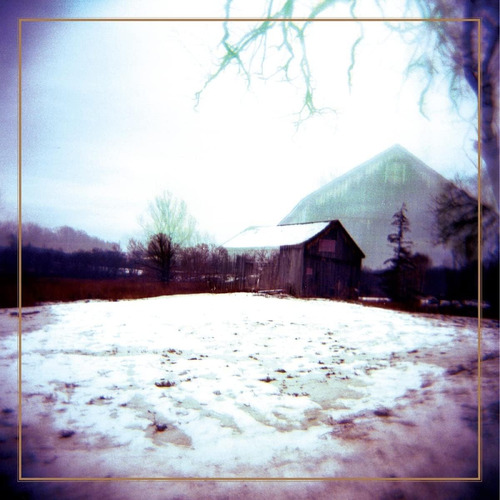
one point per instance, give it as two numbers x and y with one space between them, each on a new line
316 259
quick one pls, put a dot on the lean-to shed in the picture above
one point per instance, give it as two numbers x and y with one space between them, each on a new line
317 259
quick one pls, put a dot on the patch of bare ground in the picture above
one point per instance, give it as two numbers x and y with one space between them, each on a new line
430 433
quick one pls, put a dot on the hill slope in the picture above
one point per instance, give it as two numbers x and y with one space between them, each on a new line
64 238
365 199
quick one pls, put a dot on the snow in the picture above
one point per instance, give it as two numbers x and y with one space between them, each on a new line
275 236
230 385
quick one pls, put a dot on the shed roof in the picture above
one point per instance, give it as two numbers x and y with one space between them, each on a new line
275 236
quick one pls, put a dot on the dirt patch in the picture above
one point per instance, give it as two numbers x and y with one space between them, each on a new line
104 401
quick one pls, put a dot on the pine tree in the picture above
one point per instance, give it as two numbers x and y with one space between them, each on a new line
397 279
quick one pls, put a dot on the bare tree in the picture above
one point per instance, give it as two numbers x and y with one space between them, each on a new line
456 216
136 254
449 46
456 47
421 264
159 256
167 226
169 215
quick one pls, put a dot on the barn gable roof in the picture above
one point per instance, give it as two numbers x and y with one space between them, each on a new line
274 237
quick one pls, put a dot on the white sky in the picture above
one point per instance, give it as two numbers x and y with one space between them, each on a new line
109 120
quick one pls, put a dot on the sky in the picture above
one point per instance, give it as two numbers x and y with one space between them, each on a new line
109 117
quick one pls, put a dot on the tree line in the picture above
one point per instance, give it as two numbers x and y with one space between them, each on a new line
48 262
410 276
157 261
170 251
63 238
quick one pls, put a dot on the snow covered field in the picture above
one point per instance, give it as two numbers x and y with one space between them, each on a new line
245 386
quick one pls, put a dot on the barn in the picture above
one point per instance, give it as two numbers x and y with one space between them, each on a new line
316 259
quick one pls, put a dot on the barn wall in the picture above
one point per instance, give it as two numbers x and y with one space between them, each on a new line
332 266
291 269
255 269
327 266
334 244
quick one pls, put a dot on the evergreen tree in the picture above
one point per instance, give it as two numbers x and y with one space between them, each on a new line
397 279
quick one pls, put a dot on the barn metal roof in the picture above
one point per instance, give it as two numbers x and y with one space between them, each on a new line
275 236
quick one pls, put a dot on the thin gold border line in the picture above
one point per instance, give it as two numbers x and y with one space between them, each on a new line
253 479
479 255
247 19
19 251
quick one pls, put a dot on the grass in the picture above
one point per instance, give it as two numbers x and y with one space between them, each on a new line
39 290
165 383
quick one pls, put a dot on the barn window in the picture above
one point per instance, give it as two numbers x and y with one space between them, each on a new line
327 246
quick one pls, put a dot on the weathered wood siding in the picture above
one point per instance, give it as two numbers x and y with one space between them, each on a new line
327 266
291 269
